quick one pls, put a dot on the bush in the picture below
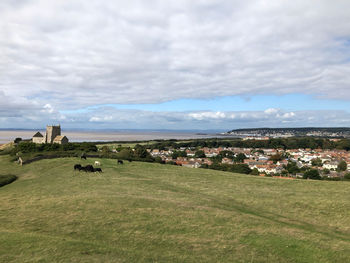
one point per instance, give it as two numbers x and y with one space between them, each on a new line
255 171
347 176
199 154
235 168
312 174
125 154
342 166
17 140
7 179
29 147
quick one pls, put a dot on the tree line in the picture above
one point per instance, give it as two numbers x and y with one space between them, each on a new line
274 143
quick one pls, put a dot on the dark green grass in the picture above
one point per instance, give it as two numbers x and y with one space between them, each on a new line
142 212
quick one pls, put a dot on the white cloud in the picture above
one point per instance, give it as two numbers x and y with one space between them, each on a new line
207 115
71 54
48 108
271 111
288 115
101 119
110 117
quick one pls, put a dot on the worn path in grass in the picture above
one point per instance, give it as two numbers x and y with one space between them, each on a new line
141 212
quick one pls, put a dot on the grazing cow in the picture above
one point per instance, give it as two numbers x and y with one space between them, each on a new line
120 162
89 168
98 170
83 157
97 163
82 168
77 167
129 160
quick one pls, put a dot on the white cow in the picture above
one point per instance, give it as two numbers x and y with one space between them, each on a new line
97 163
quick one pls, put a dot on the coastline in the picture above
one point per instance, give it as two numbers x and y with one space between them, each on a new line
108 135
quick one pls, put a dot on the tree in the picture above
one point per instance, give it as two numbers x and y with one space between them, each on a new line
227 154
140 151
312 174
292 168
284 173
199 154
178 154
342 166
316 162
17 140
125 153
255 171
276 157
240 158
326 171
240 168
105 150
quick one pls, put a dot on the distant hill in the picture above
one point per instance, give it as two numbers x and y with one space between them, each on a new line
304 131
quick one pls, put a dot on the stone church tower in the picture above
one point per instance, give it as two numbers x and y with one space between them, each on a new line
52 132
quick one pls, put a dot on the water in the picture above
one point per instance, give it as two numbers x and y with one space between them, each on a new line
88 136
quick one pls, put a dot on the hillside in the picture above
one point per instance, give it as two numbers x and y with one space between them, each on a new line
142 212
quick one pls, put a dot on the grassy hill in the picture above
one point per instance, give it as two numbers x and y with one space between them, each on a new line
142 212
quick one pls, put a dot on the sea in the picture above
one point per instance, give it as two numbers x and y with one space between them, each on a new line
111 135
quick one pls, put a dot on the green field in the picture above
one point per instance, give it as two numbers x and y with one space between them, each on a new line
143 212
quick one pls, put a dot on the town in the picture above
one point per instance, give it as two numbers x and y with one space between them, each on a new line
290 163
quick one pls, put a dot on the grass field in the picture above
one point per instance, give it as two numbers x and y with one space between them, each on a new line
142 212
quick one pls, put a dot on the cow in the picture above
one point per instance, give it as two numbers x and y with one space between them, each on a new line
129 160
77 167
120 162
89 168
98 170
97 163
82 168
83 157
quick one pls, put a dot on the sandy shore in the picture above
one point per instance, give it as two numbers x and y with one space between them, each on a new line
80 136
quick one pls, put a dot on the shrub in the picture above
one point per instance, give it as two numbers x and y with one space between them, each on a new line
17 140
342 166
347 176
199 154
312 174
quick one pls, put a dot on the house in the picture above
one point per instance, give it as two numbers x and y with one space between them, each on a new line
38 138
330 165
60 139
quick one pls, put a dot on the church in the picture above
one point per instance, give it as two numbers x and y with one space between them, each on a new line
53 135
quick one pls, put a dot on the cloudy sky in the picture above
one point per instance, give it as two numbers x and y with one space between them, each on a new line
204 64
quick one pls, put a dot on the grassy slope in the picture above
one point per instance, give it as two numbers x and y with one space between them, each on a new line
140 212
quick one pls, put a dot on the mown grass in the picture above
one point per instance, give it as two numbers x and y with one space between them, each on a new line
142 212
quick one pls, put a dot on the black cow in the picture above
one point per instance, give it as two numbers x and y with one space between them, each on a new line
120 162
77 167
129 160
89 168
83 157
83 168
98 170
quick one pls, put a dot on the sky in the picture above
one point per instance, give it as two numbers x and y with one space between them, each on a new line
204 64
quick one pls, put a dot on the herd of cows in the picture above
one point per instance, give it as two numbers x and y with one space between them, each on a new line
89 168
